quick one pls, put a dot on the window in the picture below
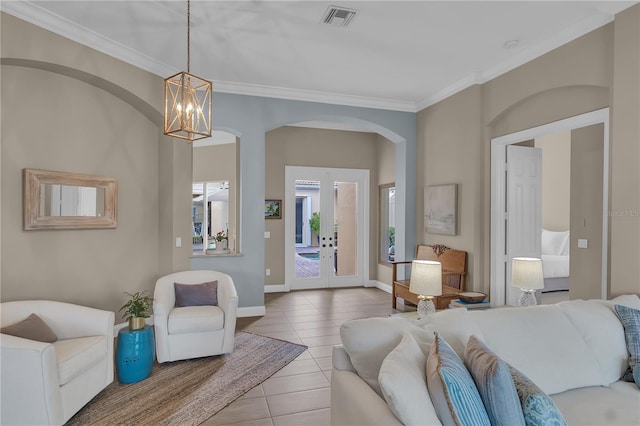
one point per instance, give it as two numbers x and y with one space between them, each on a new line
210 214
387 220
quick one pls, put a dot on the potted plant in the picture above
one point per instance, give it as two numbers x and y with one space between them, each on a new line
137 308
220 237
314 224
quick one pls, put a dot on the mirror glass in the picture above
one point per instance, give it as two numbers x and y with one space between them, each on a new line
68 200
60 200
387 220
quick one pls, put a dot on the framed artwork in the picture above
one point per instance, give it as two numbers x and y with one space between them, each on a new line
441 209
273 209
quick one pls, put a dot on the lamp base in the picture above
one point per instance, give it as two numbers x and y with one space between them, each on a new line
425 306
527 298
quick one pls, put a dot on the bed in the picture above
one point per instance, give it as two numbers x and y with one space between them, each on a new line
555 260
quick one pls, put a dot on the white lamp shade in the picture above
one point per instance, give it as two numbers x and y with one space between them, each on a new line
426 278
526 273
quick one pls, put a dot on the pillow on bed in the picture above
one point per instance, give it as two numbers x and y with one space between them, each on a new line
555 243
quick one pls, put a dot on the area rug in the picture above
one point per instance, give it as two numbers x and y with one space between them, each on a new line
189 392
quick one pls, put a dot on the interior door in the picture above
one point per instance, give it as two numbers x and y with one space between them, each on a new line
334 254
524 209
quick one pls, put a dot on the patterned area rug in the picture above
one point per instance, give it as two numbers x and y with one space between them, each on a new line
189 392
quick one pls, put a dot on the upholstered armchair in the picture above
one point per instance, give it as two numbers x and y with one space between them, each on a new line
47 383
184 332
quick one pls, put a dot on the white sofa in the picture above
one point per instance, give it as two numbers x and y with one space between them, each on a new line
574 351
47 383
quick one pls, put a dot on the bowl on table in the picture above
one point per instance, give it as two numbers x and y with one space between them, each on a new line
472 297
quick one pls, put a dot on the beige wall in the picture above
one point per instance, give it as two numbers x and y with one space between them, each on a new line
576 78
587 153
75 109
297 146
450 151
556 179
624 196
81 129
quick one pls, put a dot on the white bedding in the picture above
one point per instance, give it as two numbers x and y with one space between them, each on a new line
555 266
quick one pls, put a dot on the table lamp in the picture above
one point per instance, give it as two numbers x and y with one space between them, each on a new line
426 282
526 274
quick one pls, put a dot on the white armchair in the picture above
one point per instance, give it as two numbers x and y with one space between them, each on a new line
47 383
194 331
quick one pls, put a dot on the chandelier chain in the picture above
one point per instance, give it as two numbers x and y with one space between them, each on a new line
188 35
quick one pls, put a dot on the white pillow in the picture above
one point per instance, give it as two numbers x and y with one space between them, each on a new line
403 381
369 341
555 243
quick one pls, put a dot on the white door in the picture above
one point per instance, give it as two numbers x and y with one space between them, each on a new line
524 209
334 255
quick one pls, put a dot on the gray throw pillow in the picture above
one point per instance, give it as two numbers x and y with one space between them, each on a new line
204 294
32 328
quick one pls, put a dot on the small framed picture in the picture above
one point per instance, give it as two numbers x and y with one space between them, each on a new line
273 209
441 209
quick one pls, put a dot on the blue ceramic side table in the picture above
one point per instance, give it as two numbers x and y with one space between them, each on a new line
134 354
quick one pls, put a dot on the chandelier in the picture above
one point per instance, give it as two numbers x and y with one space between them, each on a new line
187 100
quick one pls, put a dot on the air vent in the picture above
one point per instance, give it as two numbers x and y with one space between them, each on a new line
338 16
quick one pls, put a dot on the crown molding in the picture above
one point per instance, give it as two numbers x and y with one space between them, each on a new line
36 15
540 48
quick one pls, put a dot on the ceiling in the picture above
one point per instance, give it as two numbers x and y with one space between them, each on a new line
396 55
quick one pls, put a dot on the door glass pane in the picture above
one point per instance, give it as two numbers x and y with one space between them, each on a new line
345 228
307 233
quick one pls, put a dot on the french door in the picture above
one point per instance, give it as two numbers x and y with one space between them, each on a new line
326 224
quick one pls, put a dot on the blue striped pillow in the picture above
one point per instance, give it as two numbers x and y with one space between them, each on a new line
451 388
630 319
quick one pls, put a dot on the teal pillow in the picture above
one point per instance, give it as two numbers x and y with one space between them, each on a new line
537 407
495 384
630 319
451 388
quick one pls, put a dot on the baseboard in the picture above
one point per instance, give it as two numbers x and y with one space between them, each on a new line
278 288
379 285
251 311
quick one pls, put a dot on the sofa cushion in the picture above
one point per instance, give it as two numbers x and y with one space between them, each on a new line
494 383
196 294
404 386
369 341
453 325
32 328
538 408
600 405
75 356
631 321
451 387
600 328
543 343
195 319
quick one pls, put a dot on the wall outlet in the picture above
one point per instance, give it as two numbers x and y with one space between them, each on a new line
267 234
178 242
267 272
583 243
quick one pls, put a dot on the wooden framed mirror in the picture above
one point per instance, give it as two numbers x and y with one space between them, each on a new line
60 200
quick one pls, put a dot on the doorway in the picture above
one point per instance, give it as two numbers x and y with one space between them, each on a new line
501 290
326 227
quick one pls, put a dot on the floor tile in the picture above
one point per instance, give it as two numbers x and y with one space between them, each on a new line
321 351
297 383
322 341
241 410
256 392
298 402
308 418
325 364
299 367
317 332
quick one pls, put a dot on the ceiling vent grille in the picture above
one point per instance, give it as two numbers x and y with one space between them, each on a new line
338 16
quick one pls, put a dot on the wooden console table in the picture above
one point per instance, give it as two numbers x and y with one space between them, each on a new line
454 275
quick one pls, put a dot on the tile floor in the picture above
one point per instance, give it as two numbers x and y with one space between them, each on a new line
299 393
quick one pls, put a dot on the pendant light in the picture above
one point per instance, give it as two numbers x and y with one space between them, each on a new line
187 100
